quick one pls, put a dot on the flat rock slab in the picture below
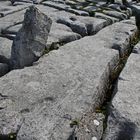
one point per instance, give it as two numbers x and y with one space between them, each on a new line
120 32
11 19
79 24
125 110
64 7
6 8
61 34
90 25
116 14
61 87
106 17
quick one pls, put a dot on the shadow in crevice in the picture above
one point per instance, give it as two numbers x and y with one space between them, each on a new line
127 131
117 127
120 127
11 136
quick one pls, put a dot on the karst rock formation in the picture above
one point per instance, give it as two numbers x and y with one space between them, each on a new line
69 70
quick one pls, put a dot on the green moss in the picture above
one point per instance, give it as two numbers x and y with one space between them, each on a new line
74 123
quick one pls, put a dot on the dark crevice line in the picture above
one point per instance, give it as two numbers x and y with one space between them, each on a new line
114 86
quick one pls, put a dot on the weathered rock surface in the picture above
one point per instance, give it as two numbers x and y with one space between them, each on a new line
7 9
84 25
64 7
76 26
31 39
115 14
56 98
5 50
106 17
63 86
92 24
125 109
119 29
61 34
11 19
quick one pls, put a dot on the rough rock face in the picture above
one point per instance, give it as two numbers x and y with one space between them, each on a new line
31 39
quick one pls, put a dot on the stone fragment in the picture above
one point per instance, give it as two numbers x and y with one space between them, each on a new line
120 31
96 122
31 39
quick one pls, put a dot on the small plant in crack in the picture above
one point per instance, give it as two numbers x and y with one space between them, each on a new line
135 40
102 109
75 122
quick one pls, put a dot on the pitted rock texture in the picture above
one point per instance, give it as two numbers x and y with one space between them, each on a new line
31 39
5 50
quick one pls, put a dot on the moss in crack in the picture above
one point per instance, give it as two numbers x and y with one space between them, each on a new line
46 51
101 109
92 13
53 46
136 39
104 110
74 122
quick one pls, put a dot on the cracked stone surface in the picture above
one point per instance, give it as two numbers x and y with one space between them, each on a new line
71 82
56 98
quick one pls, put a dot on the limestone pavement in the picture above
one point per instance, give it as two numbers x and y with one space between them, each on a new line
59 97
